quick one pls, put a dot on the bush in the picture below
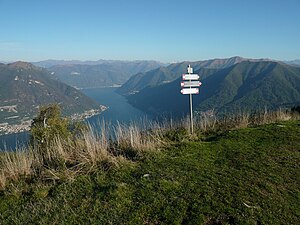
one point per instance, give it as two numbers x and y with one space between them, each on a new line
48 125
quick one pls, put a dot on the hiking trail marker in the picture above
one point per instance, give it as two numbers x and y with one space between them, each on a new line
190 86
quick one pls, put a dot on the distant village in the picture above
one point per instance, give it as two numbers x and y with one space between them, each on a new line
87 114
6 128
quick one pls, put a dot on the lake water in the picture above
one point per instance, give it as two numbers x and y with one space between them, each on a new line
118 110
11 141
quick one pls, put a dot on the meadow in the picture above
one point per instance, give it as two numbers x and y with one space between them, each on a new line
233 170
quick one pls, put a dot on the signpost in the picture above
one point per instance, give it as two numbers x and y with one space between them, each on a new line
190 91
189 84
190 77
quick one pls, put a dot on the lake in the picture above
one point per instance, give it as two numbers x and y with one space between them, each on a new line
118 110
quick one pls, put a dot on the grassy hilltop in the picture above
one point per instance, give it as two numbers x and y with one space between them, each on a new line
249 175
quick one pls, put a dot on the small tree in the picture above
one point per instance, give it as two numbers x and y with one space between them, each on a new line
48 125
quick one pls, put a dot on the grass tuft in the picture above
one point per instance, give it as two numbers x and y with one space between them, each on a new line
15 165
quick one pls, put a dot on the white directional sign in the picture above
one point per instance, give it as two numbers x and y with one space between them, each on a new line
187 91
190 83
190 77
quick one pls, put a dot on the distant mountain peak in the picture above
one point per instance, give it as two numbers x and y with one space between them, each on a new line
22 65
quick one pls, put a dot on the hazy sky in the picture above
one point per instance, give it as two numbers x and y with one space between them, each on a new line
165 30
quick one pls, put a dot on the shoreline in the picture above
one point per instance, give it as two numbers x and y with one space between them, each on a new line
24 126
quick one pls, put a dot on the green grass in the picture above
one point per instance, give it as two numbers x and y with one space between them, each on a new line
246 176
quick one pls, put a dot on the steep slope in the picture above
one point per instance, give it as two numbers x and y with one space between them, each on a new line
24 87
244 86
142 80
107 73
167 74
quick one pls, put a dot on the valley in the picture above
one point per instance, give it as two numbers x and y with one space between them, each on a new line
230 85
105 73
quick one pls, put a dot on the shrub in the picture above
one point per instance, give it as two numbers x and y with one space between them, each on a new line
53 136
48 125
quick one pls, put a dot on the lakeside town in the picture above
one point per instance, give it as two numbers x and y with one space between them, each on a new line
6 128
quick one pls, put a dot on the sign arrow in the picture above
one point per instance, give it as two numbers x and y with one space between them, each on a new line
190 83
186 91
190 77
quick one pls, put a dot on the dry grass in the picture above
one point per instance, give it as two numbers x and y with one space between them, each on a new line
2 179
92 150
206 121
134 138
16 164
266 116
241 120
209 121
64 159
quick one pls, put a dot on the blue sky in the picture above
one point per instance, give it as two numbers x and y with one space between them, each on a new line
164 30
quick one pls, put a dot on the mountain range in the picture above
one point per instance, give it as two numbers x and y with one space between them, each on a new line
229 85
93 74
24 87
243 86
54 62
170 73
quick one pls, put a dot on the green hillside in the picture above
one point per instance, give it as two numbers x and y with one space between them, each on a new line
141 80
24 87
170 73
246 86
246 176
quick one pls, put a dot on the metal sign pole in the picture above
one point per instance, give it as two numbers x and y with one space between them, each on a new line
191 108
189 86
190 71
